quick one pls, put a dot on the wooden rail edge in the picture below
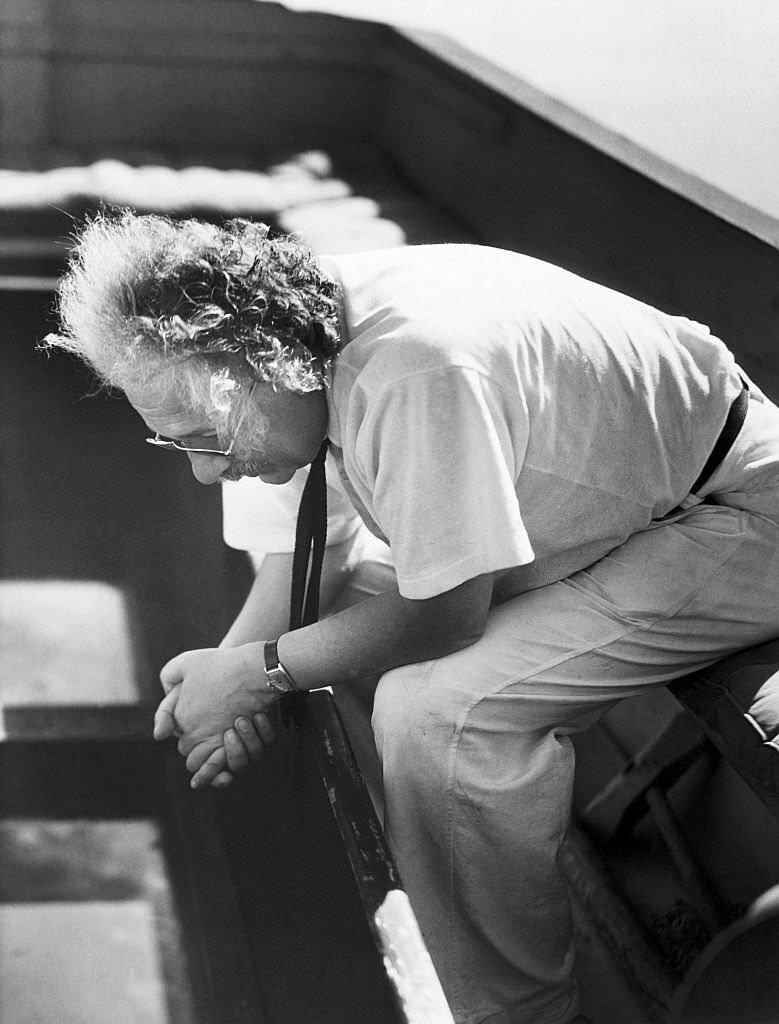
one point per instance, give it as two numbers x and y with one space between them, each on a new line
517 91
406 960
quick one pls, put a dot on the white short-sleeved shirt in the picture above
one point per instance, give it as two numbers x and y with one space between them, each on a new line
261 517
493 411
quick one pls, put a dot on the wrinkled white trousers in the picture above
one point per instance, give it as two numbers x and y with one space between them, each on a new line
476 756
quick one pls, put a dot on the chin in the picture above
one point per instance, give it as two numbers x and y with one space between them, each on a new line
277 476
268 474
238 472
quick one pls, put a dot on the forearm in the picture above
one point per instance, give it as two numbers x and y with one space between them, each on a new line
365 639
265 613
266 608
368 638
384 632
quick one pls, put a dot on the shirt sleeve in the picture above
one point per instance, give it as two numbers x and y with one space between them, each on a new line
261 517
440 451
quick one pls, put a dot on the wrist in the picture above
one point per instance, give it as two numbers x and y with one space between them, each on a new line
278 679
255 670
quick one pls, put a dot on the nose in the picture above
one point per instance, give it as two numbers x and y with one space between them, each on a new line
207 469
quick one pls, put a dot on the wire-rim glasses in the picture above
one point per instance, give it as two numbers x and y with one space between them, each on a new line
172 444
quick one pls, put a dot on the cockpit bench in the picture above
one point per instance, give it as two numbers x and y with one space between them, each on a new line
736 704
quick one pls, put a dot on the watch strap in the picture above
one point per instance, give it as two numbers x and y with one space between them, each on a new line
278 679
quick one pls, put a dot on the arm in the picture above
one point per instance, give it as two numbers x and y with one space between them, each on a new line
265 614
377 634
386 631
264 611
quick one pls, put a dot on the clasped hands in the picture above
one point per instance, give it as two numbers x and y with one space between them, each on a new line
217 703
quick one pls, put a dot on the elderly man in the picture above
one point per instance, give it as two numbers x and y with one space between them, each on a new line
579 492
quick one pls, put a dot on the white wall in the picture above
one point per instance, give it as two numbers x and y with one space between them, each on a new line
697 81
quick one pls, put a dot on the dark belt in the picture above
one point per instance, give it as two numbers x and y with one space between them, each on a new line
733 423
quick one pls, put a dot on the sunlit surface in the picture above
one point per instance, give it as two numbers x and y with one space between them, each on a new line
87 930
64 642
696 83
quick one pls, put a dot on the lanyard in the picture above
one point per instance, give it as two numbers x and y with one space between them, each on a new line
310 536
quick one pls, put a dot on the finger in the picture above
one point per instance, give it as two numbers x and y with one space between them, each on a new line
223 779
264 727
172 673
187 744
235 752
210 770
251 739
164 716
201 752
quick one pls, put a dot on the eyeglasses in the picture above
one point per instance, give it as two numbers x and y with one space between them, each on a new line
172 444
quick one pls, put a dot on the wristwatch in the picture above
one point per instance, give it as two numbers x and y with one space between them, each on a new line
277 677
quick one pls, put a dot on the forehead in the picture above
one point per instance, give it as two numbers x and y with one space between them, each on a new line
165 411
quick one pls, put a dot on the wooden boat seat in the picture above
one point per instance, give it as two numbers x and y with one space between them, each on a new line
733 704
736 704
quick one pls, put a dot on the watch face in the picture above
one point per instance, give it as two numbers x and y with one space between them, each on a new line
278 678
279 681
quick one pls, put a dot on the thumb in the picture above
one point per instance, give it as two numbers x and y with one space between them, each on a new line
164 716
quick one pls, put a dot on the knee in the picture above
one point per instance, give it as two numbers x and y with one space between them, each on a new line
408 716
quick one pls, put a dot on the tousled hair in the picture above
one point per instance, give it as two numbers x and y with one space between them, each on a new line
220 304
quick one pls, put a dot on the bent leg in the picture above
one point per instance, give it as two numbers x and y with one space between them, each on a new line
476 751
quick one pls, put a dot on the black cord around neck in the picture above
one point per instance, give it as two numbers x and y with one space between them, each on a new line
310 537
